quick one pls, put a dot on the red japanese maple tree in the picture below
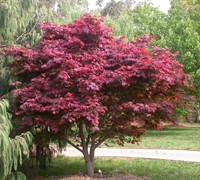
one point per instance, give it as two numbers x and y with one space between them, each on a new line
85 83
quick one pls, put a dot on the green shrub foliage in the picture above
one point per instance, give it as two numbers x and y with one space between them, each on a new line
11 149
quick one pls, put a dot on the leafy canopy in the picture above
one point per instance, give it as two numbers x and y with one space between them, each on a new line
178 29
79 74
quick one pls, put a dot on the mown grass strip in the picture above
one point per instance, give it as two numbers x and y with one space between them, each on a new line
168 138
155 169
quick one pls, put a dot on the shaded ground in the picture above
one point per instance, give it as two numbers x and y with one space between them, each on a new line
97 177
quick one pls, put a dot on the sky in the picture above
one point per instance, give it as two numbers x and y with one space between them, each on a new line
163 5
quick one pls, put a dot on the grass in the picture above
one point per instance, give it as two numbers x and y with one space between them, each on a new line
155 169
59 166
169 138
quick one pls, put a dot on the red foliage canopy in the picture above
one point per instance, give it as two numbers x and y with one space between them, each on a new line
80 73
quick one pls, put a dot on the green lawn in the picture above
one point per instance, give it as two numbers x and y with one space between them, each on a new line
170 138
155 169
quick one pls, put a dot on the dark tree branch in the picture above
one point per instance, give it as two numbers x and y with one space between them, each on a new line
81 132
74 145
104 120
101 140
88 140
88 136
27 33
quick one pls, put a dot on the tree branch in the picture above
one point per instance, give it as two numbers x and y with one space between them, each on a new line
101 140
81 132
26 33
74 145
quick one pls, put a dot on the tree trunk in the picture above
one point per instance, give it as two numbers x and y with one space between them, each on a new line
89 167
89 161
88 155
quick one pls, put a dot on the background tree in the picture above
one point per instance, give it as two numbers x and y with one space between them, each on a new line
13 21
115 8
86 86
192 4
70 10
99 2
12 148
15 26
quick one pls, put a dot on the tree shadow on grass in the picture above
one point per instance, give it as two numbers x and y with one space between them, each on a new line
60 166
171 132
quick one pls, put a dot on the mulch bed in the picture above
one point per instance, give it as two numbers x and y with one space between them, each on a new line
96 177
